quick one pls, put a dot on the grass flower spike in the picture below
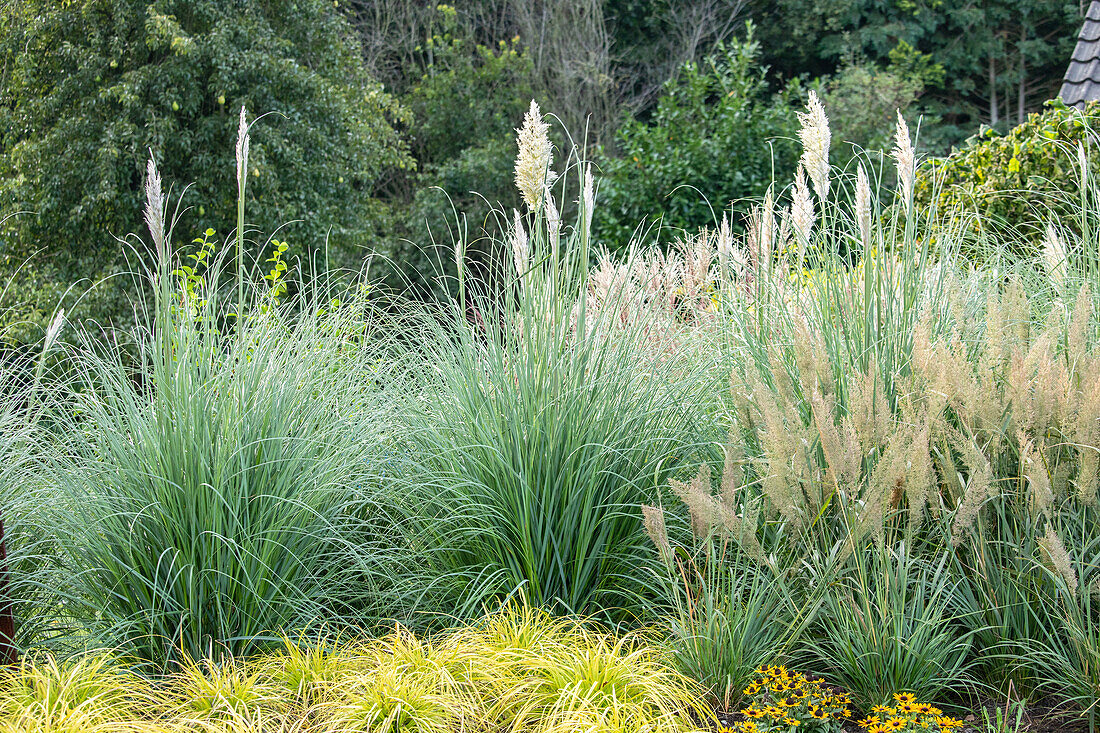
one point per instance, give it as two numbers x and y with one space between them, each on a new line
815 138
154 206
863 206
802 208
1054 258
533 174
588 197
905 159
521 246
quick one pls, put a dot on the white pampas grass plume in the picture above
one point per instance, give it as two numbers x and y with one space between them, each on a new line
802 208
863 206
588 197
767 226
815 138
1054 258
553 224
724 243
904 159
1083 165
242 149
533 174
154 207
54 330
521 247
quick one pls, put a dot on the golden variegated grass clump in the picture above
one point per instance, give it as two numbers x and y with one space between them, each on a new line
518 670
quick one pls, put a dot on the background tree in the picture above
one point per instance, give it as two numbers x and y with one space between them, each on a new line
1001 59
717 133
91 88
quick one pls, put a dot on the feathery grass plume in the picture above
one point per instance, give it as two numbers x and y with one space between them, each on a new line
1054 258
1037 384
815 137
1057 559
863 207
904 159
653 519
781 442
588 197
920 475
1080 326
885 489
154 208
533 174
521 246
1040 494
725 246
843 458
1084 430
553 226
733 474
53 330
811 360
979 486
1083 167
869 409
242 148
802 209
242 183
700 503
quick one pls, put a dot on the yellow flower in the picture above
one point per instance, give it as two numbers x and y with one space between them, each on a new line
895 724
905 697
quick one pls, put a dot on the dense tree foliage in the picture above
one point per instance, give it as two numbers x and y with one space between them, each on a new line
717 133
92 88
1001 58
389 124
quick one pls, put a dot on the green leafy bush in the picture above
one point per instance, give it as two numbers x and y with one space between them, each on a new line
89 89
1020 180
716 133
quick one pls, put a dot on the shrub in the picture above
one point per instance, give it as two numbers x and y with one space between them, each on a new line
715 133
1019 181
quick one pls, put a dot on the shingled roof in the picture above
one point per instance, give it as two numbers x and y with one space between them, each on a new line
1082 81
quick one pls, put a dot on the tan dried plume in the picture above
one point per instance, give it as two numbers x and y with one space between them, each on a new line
653 519
1057 558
